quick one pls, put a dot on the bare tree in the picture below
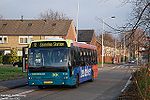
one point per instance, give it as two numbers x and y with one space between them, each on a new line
108 39
52 15
140 20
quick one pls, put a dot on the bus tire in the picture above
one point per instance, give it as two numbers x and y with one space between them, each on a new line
77 82
92 77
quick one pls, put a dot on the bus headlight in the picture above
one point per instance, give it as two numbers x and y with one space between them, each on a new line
65 73
65 77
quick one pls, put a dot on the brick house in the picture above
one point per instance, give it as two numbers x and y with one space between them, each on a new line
89 37
19 33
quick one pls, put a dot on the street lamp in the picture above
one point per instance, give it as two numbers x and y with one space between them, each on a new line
103 45
103 22
124 42
113 17
77 20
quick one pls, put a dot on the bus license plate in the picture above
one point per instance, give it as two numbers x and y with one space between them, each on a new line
48 82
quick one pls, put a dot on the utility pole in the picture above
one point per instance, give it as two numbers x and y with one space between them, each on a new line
77 20
103 45
124 48
103 28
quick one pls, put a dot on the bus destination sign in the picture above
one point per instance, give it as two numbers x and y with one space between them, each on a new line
44 44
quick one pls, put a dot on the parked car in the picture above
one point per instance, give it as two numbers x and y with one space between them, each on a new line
17 64
132 61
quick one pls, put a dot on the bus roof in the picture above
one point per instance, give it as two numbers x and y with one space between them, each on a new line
84 45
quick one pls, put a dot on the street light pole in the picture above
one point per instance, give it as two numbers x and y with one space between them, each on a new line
115 51
103 22
77 20
124 48
113 17
103 45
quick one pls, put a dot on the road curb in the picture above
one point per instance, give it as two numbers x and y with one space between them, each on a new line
127 84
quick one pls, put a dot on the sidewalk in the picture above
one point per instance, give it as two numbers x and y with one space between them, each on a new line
10 84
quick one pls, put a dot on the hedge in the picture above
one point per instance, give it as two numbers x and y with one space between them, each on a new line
8 59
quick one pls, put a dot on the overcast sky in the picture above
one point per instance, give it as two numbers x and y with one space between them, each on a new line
89 10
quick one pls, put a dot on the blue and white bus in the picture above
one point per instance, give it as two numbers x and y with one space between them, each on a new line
60 62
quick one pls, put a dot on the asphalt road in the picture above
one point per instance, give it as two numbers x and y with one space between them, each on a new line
108 86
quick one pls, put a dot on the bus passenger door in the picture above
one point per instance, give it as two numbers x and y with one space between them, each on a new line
24 59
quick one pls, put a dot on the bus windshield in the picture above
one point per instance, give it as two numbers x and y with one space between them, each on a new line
48 57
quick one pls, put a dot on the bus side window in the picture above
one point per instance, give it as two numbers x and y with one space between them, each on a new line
74 56
86 57
90 57
77 56
96 57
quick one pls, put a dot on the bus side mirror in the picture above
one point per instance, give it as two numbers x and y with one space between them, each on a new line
69 63
24 59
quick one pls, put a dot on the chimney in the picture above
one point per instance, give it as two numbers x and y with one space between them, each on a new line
21 18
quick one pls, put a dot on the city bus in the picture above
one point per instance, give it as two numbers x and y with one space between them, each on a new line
60 62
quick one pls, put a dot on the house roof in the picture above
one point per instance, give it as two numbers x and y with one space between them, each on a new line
85 35
35 27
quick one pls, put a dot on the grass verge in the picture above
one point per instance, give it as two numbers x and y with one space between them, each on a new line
143 82
9 73
139 89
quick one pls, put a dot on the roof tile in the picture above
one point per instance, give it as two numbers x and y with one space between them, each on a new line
34 27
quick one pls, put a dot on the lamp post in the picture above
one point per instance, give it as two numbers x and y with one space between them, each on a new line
113 17
124 42
103 22
77 20
103 45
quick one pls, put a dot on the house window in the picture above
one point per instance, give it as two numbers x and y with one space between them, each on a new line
3 39
7 52
25 39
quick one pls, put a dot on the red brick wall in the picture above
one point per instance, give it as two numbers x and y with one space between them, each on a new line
99 51
108 59
71 32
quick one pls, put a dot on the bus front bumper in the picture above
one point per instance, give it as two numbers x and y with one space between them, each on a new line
37 82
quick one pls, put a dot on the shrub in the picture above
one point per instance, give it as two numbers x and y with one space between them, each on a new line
1 59
11 58
143 82
6 59
14 57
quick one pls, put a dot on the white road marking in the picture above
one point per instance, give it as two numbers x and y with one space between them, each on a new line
99 69
131 66
128 82
22 94
118 66
25 92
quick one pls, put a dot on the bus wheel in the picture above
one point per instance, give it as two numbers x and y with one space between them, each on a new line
92 77
77 82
